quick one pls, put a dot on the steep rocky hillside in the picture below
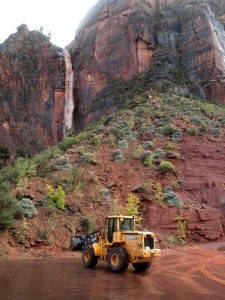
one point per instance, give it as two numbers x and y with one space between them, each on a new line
32 84
164 148
180 44
142 71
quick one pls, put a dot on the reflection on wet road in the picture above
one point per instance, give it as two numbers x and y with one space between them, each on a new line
174 275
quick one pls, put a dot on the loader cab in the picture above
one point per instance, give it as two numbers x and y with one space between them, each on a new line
119 223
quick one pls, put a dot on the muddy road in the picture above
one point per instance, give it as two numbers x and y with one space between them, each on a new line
184 273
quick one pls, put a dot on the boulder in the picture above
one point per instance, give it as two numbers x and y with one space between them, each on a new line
209 214
210 230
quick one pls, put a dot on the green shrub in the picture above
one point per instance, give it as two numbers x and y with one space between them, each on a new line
117 132
130 122
159 196
149 161
117 156
203 128
196 120
7 174
67 143
148 144
43 234
4 153
105 194
159 135
129 136
8 207
149 128
56 198
88 158
171 198
159 153
221 120
75 180
171 240
107 120
182 227
122 144
169 129
27 208
22 152
88 223
147 158
133 205
216 132
192 130
132 208
63 163
146 188
176 136
45 170
173 154
24 168
166 167
137 153
146 154
171 146
46 155
95 141
180 182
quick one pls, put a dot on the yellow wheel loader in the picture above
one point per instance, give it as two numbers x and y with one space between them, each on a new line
120 244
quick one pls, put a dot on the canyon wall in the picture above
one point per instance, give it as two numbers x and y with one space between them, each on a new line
32 83
179 43
116 41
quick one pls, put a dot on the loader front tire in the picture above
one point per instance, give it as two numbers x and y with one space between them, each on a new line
141 267
118 260
88 257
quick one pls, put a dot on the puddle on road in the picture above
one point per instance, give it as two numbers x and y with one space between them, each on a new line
222 248
174 275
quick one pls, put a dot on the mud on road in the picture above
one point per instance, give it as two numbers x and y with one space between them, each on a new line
177 274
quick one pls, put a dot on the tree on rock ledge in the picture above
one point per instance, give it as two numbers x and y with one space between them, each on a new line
4 153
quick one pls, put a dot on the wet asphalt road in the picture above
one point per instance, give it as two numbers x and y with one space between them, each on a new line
183 274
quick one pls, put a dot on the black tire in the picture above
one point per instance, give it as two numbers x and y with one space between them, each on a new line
118 260
141 267
88 257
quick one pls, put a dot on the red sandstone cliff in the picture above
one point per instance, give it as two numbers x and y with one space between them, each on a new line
32 80
116 41
178 42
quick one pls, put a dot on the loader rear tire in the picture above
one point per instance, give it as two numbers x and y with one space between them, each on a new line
118 260
88 257
141 267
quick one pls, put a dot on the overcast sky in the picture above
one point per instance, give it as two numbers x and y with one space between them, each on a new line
60 17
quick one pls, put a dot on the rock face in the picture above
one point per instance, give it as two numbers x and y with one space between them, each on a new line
201 43
178 42
201 224
32 82
116 42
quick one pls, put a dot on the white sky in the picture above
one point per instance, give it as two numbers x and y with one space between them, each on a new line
61 17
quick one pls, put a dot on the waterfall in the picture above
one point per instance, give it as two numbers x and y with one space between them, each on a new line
69 105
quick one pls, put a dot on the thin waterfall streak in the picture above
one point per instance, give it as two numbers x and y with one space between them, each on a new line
69 103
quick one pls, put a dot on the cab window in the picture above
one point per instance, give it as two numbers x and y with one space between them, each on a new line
111 229
126 224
